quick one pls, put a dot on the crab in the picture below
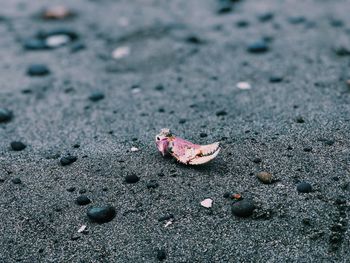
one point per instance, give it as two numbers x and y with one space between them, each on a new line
184 151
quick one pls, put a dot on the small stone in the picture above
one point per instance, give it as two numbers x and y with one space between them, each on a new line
131 179
242 23
203 135
152 184
258 47
57 13
296 20
17 146
304 187
134 149
275 79
226 195
161 254
76 145
159 87
182 121
166 217
38 70
257 160
78 46
266 17
243 208
207 203
307 149
265 177
57 41
5 115
193 40
96 96
83 200
221 113
299 119
69 159
71 189
243 85
34 44
121 52
16 180
101 214
82 229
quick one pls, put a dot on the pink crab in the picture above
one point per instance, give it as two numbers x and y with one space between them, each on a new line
185 151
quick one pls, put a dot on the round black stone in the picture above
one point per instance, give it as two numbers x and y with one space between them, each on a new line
203 135
131 178
96 96
101 214
66 160
243 208
275 79
38 70
83 200
71 189
304 187
5 115
300 119
307 149
161 254
16 180
258 47
257 160
221 113
17 146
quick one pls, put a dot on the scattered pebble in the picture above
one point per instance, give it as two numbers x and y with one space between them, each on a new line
58 12
257 160
131 179
258 47
161 254
224 7
69 159
276 79
308 149
243 208
166 217
121 52
221 113
304 187
242 23
159 87
57 41
38 70
329 142
83 200
17 146
193 39
207 203
236 196
16 180
77 47
82 229
243 85
96 96
5 115
71 189
152 184
299 119
203 135
266 17
168 223
134 149
101 214
265 177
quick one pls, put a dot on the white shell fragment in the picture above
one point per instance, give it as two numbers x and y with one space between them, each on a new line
82 228
207 203
168 223
57 40
243 85
121 52
134 149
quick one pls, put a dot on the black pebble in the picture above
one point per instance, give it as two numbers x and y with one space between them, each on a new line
258 47
152 184
131 178
17 146
66 160
5 115
96 96
101 214
257 160
304 187
203 135
307 149
71 189
77 47
83 200
243 208
242 23
182 121
159 87
266 17
38 70
221 113
34 44
161 254
275 79
227 195
300 120
166 217
193 40
16 180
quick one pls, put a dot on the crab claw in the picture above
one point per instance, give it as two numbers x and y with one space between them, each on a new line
207 153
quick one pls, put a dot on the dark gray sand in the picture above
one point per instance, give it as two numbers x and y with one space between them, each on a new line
185 60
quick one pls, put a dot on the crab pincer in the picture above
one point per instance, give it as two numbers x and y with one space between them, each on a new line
184 151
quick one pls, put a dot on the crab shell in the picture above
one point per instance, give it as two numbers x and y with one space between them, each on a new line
184 151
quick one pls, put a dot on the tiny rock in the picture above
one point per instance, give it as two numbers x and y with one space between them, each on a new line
18 146
304 187
207 203
121 52
101 214
57 12
134 149
5 115
243 208
265 177
243 85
